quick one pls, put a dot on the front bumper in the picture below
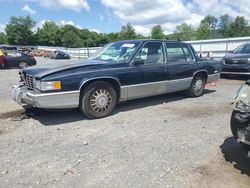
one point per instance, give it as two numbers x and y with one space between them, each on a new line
57 100
236 69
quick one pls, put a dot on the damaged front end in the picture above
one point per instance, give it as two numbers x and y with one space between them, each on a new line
240 119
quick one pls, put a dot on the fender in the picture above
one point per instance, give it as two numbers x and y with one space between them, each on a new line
200 71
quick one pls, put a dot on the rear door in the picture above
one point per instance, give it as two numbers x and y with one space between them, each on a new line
181 66
12 58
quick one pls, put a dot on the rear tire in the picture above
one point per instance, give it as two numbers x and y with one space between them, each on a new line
22 64
197 87
98 100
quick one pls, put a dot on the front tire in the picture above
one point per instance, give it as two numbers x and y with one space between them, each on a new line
22 64
197 87
98 100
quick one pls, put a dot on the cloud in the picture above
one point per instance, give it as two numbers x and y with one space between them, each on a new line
144 14
70 22
143 30
95 30
101 17
60 23
29 10
39 25
2 28
76 5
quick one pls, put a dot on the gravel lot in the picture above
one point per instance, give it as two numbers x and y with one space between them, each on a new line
162 141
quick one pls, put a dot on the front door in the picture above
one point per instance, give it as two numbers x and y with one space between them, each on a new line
151 74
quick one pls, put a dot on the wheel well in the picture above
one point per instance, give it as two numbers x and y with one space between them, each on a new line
204 73
22 61
112 81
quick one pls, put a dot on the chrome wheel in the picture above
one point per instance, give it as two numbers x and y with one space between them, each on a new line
22 65
100 100
198 85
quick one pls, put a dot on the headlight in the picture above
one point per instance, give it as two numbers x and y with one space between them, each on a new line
48 86
243 95
248 60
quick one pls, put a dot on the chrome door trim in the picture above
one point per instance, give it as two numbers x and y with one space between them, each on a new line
135 91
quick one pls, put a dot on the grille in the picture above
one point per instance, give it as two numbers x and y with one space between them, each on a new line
236 61
29 82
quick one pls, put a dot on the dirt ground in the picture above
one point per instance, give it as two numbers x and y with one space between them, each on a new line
163 141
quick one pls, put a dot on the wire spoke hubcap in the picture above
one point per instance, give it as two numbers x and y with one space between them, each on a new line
198 85
100 100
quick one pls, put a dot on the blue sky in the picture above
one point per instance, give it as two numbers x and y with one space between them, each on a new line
109 15
97 17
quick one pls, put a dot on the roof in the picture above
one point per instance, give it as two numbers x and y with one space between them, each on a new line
161 40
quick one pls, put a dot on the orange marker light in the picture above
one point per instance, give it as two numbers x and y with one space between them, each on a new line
57 85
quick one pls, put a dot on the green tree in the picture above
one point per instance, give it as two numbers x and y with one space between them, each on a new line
184 32
19 30
157 32
127 33
112 37
71 36
238 28
3 38
70 39
49 34
202 31
224 24
211 20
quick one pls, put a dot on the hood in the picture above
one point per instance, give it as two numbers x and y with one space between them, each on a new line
236 56
44 70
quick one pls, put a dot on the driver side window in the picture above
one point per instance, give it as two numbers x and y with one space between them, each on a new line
151 53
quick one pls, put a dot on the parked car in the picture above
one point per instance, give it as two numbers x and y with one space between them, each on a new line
237 62
121 71
48 54
8 48
38 53
26 50
18 59
60 55
240 118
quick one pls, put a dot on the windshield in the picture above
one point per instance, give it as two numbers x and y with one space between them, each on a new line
117 51
243 49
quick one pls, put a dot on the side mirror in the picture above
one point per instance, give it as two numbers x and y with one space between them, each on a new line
138 61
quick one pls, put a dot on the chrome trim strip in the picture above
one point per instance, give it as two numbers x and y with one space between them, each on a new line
134 91
51 94
236 73
198 71
165 81
96 78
